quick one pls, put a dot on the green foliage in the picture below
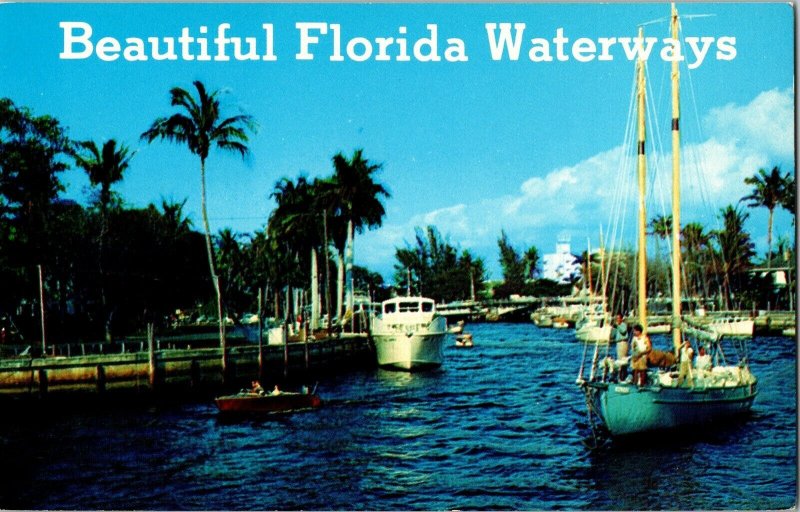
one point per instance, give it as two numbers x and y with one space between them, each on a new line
515 268
435 268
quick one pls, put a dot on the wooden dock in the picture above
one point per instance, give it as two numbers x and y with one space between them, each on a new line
178 369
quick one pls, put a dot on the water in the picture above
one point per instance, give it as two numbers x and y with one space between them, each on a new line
496 428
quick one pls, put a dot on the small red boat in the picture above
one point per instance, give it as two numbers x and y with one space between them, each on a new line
282 401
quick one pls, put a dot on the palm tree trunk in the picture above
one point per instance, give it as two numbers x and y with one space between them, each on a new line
327 268
214 277
769 239
339 284
349 266
314 291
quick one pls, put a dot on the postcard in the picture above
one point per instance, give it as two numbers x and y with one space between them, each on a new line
411 256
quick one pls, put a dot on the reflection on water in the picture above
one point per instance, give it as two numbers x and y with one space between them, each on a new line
496 428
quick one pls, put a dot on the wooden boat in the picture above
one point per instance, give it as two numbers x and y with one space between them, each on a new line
282 401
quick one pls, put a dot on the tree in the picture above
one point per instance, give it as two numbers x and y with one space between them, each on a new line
736 251
199 125
296 223
789 202
531 262
104 168
696 247
769 191
433 268
513 266
661 228
34 150
360 198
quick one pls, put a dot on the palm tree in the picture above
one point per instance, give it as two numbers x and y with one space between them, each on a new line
661 228
769 191
789 202
104 168
696 244
296 222
736 249
360 198
199 125
175 223
531 262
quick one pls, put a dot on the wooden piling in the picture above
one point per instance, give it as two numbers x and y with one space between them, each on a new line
195 376
42 382
260 337
285 351
100 378
151 352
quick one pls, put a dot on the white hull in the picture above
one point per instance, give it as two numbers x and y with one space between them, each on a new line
594 334
415 352
733 327
408 334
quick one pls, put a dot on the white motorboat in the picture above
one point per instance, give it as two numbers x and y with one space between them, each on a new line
409 334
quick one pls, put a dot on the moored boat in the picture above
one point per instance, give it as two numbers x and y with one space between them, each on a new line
409 334
464 340
732 326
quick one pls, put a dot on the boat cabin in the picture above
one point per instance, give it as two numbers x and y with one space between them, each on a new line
408 306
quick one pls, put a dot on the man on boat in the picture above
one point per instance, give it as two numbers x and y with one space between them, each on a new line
619 335
641 348
685 371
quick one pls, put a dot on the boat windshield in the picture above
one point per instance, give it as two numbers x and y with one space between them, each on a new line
409 307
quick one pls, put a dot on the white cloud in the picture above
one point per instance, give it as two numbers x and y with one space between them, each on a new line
578 198
765 125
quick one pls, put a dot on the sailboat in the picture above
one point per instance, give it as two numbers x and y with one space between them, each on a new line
593 324
620 407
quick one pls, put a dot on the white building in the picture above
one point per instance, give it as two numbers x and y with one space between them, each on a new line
563 266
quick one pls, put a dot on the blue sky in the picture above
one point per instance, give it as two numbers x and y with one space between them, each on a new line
472 147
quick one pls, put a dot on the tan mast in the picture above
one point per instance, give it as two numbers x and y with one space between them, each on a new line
642 175
676 193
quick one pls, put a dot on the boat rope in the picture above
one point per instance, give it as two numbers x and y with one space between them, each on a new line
599 435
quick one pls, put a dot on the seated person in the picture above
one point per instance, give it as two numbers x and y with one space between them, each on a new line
256 388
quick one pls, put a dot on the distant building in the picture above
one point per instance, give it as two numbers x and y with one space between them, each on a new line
563 266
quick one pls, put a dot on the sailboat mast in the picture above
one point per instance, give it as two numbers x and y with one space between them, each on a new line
676 192
642 175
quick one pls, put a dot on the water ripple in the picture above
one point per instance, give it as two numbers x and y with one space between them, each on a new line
497 428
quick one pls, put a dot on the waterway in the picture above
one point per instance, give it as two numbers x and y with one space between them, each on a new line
498 427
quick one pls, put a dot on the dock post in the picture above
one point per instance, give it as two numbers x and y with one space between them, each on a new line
41 310
42 382
100 378
195 374
285 351
305 349
260 337
151 352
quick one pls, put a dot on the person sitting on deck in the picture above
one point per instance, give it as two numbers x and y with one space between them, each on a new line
256 388
702 365
275 390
